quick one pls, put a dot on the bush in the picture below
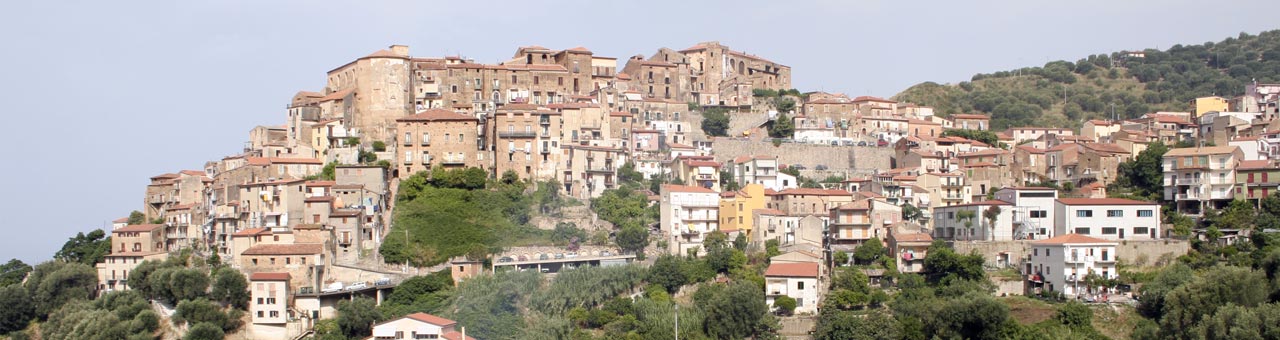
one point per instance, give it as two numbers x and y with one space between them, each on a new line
785 305
204 331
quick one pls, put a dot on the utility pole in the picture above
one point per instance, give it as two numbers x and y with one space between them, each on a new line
677 330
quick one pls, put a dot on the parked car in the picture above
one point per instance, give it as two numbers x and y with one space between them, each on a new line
882 143
544 257
798 167
820 167
571 255
863 143
605 253
544 269
358 286
559 256
505 259
382 281
332 287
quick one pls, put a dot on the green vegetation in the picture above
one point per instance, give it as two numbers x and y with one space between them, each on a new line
984 136
13 272
1063 93
782 126
1142 176
85 248
449 213
136 217
715 122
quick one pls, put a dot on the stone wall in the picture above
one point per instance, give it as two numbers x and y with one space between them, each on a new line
1141 253
851 160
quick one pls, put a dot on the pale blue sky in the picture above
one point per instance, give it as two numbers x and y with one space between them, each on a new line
102 95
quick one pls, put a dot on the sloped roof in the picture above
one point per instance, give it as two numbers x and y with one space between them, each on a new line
686 188
436 115
269 277
285 249
1102 201
803 269
139 228
1070 239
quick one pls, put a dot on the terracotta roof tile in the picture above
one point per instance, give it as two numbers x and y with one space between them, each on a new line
437 115
285 249
803 269
269 277
912 237
431 319
138 228
1102 201
1070 239
686 188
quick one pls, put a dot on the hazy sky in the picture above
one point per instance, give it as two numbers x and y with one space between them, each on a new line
102 95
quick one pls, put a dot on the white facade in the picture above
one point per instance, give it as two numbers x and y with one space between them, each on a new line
796 280
418 326
764 171
269 298
1108 218
1033 211
1061 264
948 225
687 215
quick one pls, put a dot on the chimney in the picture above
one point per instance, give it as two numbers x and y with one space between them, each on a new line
400 50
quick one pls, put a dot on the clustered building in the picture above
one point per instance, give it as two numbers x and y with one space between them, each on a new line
573 119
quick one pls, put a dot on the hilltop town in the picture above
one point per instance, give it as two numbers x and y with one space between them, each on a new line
685 178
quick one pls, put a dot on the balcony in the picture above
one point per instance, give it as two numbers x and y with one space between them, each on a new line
408 161
426 142
705 177
517 134
605 169
1188 196
545 134
764 173
455 160
426 159
408 142
1189 181
544 120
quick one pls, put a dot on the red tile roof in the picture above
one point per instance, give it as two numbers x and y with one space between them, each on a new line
769 212
251 232
969 116
1070 239
120 220
686 188
285 249
269 277
803 269
872 99
815 191
431 319
437 115
912 237
319 199
1255 165
138 228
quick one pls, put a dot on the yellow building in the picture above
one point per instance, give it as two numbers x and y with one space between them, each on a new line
736 208
1203 105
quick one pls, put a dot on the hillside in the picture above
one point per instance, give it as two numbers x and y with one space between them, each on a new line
1065 94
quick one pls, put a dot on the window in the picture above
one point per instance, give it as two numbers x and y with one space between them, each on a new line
260 301
1141 230
800 285
275 314
288 260
1115 213
260 314
1108 230
1084 213
255 262
1082 230
1039 214
273 260
1035 252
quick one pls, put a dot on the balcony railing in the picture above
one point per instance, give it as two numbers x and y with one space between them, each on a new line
1189 181
454 160
608 169
426 142
517 134
426 159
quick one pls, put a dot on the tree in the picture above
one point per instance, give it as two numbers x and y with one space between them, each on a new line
785 305
786 105
197 311
53 284
19 309
727 183
740 242
667 272
230 288
869 251
356 317
736 312
633 238
204 331
1144 174
991 215
13 272
136 218
715 122
834 324
782 127
329 172
966 216
84 248
1075 314
942 264
566 233
911 213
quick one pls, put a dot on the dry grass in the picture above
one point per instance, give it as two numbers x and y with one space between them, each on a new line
1028 311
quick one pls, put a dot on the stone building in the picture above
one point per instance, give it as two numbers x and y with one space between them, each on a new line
438 137
130 245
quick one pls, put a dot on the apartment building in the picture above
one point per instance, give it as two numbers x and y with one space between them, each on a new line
725 77
1257 179
1200 178
687 214
851 225
1033 211
130 245
798 281
590 170
737 209
702 171
970 222
438 137
1021 134
375 88
1111 219
808 201
270 298
1099 130
1062 263
944 189
763 170
968 121
306 263
909 249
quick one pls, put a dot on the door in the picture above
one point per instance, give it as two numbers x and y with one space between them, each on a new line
1121 233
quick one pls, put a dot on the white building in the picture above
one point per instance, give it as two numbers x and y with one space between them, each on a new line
1033 211
1061 263
796 280
1107 218
419 326
948 224
761 170
688 213
1200 178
